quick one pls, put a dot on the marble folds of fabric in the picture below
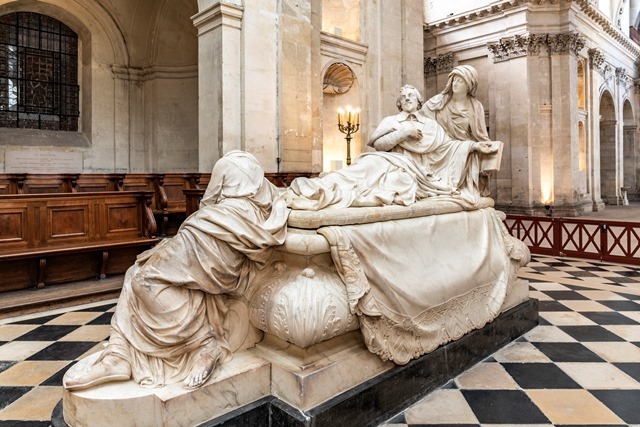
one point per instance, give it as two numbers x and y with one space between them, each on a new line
173 301
419 283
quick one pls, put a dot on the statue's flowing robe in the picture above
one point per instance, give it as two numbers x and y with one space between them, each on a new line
412 170
173 299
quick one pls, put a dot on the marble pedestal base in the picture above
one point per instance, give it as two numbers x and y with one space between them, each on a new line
278 384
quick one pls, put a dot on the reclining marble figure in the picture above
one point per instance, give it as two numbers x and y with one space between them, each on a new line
418 259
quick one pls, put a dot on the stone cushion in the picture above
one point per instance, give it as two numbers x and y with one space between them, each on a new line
365 215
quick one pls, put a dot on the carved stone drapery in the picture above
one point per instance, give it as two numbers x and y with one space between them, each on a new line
596 58
443 63
565 43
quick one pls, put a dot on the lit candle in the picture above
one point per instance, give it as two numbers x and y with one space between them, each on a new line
349 115
340 116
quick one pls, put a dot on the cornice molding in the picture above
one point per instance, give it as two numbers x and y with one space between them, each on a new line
139 74
586 6
337 47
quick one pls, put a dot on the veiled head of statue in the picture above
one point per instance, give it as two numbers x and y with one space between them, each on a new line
468 74
237 174
409 95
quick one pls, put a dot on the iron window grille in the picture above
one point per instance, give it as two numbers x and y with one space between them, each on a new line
38 73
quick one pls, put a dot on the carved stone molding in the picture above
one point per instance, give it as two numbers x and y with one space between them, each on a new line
516 46
596 58
588 7
429 66
623 78
565 43
607 72
443 63
531 44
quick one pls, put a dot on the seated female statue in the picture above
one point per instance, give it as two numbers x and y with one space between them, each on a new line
170 323
461 115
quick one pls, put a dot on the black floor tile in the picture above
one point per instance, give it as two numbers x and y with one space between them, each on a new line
629 296
565 295
608 318
555 263
552 306
621 305
503 407
8 395
542 269
593 268
539 376
6 364
624 403
103 319
592 333
623 279
47 333
98 308
63 350
577 288
56 379
631 369
567 352
25 424
398 419
37 320
581 274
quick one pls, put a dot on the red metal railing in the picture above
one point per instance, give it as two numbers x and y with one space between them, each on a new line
613 241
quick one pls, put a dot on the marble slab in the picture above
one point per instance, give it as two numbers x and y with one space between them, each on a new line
243 380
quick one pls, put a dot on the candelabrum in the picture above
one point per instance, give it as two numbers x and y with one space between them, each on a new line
349 125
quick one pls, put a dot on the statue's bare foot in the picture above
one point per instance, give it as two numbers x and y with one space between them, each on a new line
110 368
203 367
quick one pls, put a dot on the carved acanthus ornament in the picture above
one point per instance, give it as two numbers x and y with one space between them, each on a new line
443 63
588 7
531 44
623 78
565 43
517 46
596 58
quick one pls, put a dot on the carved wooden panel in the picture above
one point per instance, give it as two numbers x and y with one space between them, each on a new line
18 274
68 221
66 268
122 218
13 225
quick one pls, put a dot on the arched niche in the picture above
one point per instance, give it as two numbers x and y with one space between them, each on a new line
608 181
581 85
340 89
631 152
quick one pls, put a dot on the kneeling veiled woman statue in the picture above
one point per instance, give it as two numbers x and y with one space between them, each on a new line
169 324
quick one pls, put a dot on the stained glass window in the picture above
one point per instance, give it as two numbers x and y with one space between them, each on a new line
38 73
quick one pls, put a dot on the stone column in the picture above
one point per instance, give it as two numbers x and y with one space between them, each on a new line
220 118
130 151
563 49
596 61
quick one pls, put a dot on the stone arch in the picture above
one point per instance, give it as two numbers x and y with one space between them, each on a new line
100 41
98 32
172 26
608 178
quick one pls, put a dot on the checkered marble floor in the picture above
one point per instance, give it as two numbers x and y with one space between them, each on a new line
581 366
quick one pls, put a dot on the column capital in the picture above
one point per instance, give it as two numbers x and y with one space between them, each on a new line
216 13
